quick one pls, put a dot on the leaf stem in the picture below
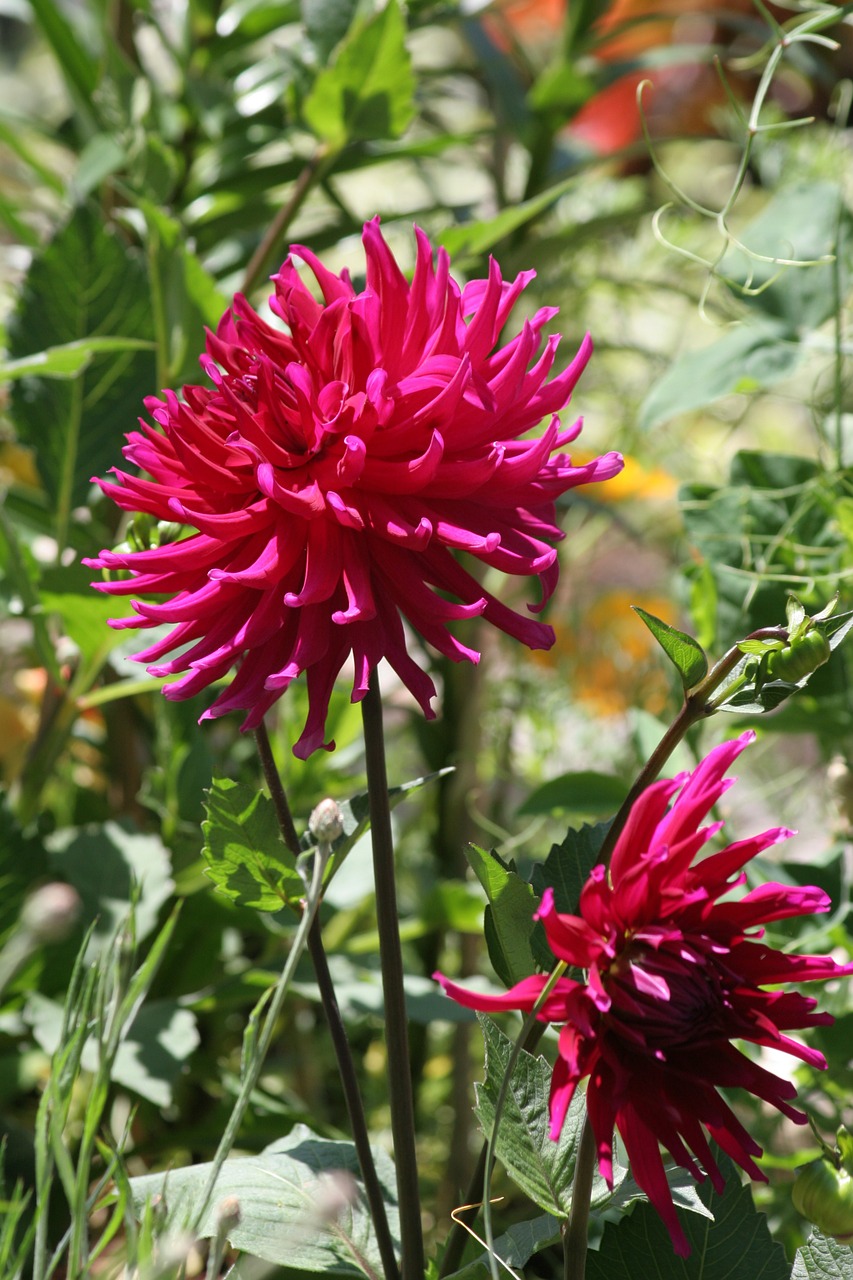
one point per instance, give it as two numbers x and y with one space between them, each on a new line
316 166
337 1029
577 1232
396 1024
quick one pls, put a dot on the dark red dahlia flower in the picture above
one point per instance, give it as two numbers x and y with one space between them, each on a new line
675 970
333 470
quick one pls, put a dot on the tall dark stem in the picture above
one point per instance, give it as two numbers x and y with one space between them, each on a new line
391 959
337 1029
577 1232
315 167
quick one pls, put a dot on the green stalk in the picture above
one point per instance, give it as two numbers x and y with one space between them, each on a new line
391 959
316 168
577 1233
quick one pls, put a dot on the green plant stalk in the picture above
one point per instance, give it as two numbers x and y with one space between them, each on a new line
316 167
491 1145
255 1051
337 1029
577 1234
391 960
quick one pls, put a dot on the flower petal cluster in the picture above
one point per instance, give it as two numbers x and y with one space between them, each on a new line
333 469
675 971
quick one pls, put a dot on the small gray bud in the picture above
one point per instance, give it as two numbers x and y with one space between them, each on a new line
326 822
51 912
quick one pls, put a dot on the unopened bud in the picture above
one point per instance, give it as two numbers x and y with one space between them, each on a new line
823 1193
228 1213
51 912
326 822
337 1191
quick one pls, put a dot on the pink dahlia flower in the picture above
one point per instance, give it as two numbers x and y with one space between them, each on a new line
675 970
333 469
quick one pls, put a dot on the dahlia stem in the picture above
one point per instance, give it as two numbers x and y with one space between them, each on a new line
337 1029
315 167
391 960
577 1233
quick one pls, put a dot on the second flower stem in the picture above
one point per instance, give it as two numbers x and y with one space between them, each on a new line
577 1231
391 959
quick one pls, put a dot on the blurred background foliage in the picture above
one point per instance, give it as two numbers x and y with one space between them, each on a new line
157 156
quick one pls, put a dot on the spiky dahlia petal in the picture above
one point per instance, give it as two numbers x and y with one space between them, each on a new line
332 471
674 974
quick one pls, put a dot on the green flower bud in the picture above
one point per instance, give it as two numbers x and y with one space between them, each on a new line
798 659
824 1194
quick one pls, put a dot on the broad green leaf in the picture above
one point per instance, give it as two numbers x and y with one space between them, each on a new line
327 22
685 653
84 612
509 916
750 356
582 793
106 865
23 862
76 427
245 855
68 360
736 1244
151 1056
476 238
283 1195
823 1258
368 91
542 1168
359 993
515 1247
78 66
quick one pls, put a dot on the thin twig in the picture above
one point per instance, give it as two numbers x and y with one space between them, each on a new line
314 168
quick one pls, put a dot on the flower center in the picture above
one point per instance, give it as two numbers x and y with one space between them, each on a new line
665 996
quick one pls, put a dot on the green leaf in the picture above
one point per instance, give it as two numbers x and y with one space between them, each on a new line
327 22
581 793
823 1258
735 1244
245 855
541 1168
69 359
84 612
567 867
515 1247
565 871
186 297
748 357
151 1056
75 427
78 66
686 654
509 916
368 91
476 238
107 865
281 1194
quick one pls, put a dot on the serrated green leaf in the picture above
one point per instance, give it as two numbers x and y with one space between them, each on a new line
685 653
585 792
327 22
515 1247
565 871
509 916
280 1193
823 1258
245 855
542 1168
736 1243
368 91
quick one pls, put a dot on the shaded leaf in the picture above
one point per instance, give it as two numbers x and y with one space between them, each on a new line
586 792
281 1194
747 357
69 359
736 1243
509 916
